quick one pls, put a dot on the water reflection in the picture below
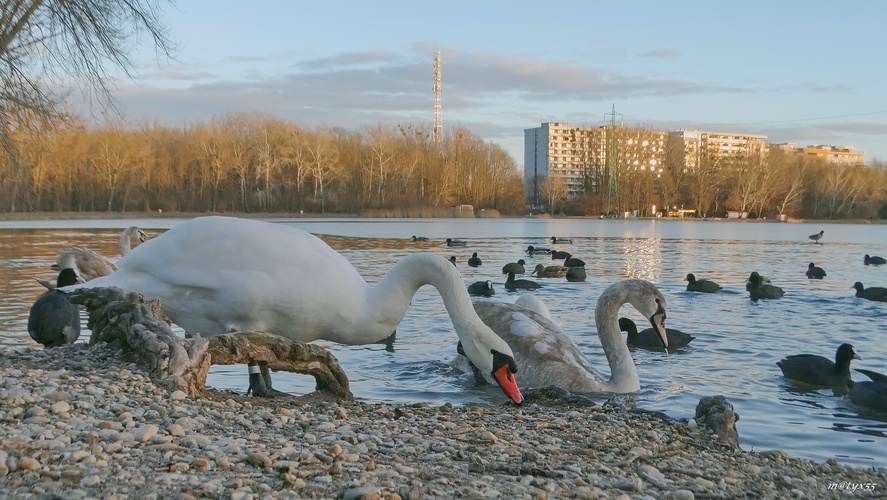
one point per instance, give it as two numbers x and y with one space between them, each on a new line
737 342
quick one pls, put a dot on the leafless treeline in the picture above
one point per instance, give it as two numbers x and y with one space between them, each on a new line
253 163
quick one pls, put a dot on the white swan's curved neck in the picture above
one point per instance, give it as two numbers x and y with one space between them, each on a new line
623 373
387 302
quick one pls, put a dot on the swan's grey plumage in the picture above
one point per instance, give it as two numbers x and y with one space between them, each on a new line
548 356
89 264
222 274
53 320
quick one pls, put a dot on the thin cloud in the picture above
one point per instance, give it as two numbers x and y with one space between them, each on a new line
662 54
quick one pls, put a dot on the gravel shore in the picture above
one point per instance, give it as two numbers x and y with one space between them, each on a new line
81 422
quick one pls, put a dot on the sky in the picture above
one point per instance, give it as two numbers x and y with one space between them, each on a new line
810 72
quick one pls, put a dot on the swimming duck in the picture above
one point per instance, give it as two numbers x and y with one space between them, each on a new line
818 370
704 286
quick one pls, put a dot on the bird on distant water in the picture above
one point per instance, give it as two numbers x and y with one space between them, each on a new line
452 260
816 237
456 243
874 260
543 271
531 250
576 274
53 320
704 286
818 370
876 293
420 238
513 284
555 240
557 255
574 262
481 288
474 261
650 339
871 395
815 273
759 290
515 267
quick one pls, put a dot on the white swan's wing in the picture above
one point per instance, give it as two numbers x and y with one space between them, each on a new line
220 274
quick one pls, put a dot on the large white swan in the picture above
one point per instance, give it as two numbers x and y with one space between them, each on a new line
221 274
548 356
89 264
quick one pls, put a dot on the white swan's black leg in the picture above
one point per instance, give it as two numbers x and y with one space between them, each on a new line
257 385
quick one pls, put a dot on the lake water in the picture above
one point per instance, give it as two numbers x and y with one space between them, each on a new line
737 343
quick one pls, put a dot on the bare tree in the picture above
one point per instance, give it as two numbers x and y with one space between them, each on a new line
45 44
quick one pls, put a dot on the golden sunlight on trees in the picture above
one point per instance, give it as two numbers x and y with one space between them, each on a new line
47 44
258 163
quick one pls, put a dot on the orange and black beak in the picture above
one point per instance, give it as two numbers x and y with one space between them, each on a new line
504 369
658 322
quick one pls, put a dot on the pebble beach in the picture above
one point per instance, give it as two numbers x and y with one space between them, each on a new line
82 422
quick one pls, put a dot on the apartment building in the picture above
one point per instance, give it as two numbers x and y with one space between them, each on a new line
697 145
584 157
837 155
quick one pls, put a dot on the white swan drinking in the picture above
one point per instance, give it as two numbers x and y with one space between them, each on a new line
221 274
548 356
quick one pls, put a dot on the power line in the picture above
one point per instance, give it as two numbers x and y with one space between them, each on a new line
807 119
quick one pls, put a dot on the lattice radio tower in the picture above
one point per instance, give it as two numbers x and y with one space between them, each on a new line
435 132
613 155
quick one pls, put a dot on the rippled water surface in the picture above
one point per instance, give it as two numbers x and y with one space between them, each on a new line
737 342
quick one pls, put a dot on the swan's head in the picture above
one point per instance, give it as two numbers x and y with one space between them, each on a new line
492 355
648 300
134 232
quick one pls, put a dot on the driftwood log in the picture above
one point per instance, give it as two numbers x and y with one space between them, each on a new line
141 328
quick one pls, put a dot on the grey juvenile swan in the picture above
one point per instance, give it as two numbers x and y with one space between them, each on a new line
88 264
547 356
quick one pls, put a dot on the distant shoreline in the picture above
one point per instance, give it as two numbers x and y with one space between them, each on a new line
22 216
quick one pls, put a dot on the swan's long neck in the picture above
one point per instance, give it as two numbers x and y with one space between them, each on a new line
388 301
125 243
623 374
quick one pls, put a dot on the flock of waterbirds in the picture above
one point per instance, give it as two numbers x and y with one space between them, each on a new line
809 370
51 320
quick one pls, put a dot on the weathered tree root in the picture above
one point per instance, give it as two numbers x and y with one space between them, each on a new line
141 328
